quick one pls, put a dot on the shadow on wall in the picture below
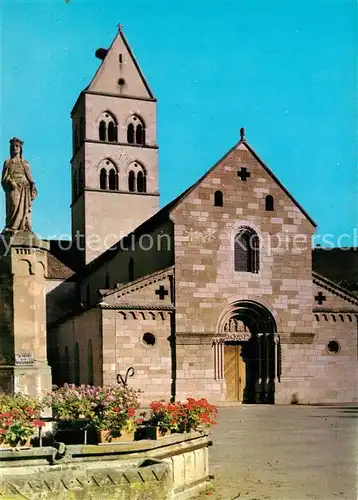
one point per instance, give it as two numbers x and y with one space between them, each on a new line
294 399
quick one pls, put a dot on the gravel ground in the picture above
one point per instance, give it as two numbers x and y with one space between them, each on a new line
264 452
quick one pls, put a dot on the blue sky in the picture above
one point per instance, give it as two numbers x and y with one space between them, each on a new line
283 69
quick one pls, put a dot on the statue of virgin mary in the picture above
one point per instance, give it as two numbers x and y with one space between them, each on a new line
20 190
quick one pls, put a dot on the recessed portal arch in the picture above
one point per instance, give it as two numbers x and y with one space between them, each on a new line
246 352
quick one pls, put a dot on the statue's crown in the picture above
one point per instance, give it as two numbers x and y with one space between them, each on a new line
16 139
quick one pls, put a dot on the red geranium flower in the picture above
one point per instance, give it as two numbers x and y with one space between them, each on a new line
131 412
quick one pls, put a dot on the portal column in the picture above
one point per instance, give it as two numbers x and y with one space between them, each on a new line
218 360
259 381
276 340
23 342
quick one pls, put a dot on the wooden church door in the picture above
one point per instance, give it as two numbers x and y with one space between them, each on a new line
234 372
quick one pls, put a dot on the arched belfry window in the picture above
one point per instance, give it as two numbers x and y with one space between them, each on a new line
108 175
218 199
107 128
139 134
140 182
102 130
112 132
130 133
113 180
137 178
269 203
247 251
135 130
131 181
103 179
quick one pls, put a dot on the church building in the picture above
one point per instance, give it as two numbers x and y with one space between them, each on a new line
196 298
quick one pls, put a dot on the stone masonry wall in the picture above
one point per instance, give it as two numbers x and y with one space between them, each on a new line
206 282
85 329
147 259
311 375
123 347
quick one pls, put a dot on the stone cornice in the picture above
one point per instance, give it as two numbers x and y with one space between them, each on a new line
106 191
120 96
136 307
123 144
335 310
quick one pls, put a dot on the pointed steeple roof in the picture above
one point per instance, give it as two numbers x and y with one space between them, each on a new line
119 72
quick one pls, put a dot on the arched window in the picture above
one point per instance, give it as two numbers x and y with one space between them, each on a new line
113 180
269 203
77 364
112 132
135 130
102 131
131 181
103 179
140 182
107 129
218 199
130 133
139 134
90 363
108 175
137 179
130 269
247 251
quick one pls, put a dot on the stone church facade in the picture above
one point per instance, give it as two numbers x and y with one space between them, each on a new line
193 299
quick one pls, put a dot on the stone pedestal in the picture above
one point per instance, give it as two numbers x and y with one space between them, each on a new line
23 343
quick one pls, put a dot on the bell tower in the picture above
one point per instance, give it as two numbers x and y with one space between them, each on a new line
114 166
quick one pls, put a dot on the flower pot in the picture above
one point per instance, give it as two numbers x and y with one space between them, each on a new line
184 428
105 437
75 432
156 432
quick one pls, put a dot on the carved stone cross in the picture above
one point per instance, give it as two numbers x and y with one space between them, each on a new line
243 174
161 292
320 298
